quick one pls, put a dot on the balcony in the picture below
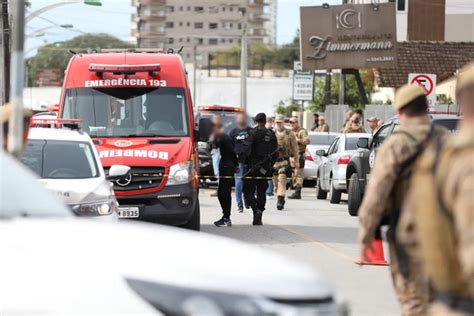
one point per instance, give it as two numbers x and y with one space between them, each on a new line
148 18
258 3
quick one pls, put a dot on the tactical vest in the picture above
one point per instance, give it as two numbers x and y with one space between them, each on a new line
299 135
283 139
434 222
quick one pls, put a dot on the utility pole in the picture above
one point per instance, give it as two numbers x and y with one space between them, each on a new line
243 61
15 131
4 52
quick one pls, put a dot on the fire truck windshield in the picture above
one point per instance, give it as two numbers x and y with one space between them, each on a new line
130 112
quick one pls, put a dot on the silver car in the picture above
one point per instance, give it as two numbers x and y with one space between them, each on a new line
317 141
332 172
68 165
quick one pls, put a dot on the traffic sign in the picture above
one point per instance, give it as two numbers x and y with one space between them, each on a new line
303 86
427 82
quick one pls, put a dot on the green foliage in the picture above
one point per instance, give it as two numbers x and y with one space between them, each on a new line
56 56
261 56
287 108
444 99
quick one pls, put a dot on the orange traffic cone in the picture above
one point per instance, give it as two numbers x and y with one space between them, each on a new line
374 255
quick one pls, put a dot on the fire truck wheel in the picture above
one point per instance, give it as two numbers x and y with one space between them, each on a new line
194 222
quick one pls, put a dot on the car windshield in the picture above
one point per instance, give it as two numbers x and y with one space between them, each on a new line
119 112
321 139
21 195
228 119
52 159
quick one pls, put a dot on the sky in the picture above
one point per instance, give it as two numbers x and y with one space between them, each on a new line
114 18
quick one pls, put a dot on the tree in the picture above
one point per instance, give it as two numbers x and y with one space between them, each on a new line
56 55
287 108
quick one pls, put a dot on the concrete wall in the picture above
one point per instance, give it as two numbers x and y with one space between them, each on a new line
460 27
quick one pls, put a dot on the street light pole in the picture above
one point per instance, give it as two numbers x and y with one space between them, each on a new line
58 4
243 61
15 128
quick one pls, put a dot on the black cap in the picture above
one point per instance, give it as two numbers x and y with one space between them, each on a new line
260 117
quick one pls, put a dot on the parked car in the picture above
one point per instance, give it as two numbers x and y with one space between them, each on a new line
228 119
317 142
68 164
68 265
332 172
360 166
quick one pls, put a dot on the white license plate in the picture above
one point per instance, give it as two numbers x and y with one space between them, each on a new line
129 212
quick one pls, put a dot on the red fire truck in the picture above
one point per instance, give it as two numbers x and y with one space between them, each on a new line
137 107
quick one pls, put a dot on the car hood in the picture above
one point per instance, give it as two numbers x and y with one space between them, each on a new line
77 191
143 151
38 251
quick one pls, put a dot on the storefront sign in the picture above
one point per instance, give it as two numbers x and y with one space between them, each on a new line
348 36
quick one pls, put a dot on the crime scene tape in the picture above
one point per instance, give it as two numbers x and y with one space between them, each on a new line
230 177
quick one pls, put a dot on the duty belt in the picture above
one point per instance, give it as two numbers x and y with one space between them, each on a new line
456 302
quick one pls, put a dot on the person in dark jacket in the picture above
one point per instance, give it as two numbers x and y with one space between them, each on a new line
228 165
239 136
263 153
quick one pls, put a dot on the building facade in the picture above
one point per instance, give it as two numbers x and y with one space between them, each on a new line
202 27
433 20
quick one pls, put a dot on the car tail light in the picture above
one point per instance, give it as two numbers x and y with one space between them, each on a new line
308 156
344 160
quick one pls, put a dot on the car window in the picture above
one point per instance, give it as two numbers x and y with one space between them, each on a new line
351 143
51 159
228 119
334 146
381 135
321 139
25 196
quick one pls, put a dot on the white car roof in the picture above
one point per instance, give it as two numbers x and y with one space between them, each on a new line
357 135
58 134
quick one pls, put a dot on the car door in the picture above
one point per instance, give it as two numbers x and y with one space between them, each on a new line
333 157
326 167
379 138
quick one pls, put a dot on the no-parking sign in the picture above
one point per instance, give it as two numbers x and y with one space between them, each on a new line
427 82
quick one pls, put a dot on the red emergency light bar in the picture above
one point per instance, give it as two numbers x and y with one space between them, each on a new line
55 123
99 69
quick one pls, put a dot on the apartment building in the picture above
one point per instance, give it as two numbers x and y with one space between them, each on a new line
209 25
433 20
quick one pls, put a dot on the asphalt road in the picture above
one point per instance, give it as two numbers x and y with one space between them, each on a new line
317 233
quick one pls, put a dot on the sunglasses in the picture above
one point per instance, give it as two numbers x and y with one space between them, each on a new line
292 122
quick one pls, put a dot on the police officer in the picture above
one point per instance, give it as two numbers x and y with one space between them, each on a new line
373 124
354 125
387 190
263 151
442 189
288 148
323 126
5 114
302 139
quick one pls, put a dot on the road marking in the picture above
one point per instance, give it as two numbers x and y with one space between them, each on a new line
319 243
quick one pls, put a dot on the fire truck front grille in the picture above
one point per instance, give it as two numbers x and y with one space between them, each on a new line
140 179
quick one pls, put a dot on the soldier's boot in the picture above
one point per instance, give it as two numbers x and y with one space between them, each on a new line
281 203
257 218
296 195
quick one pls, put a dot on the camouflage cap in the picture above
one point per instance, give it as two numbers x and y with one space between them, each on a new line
407 94
465 78
280 118
6 112
373 119
294 119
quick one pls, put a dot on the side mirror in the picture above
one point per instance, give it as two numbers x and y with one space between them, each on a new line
363 143
321 153
204 130
118 172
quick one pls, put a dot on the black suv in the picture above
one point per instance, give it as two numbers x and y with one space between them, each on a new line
360 165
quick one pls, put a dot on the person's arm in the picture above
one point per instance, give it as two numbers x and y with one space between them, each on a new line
304 138
382 180
229 147
274 146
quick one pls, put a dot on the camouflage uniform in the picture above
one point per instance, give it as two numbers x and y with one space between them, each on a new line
302 139
443 185
353 128
385 197
288 148
323 128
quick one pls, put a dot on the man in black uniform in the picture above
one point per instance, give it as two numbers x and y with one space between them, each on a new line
263 153
227 167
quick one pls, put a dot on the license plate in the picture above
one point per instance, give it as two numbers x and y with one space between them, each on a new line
129 212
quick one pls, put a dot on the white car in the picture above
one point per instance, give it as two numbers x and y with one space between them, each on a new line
332 172
317 141
67 163
66 265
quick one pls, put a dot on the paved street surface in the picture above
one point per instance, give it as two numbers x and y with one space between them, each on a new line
318 233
